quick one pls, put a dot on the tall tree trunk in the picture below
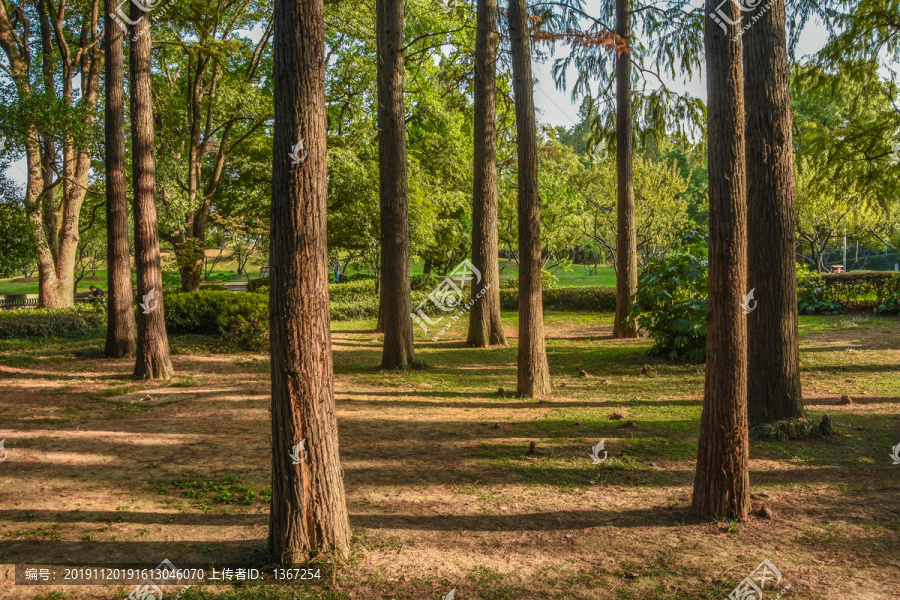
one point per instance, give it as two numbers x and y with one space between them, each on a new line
308 514
773 354
626 235
120 325
534 374
153 361
396 303
485 327
722 481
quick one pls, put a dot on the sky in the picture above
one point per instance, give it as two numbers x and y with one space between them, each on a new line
556 107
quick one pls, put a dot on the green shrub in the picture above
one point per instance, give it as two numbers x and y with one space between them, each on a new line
239 318
890 300
812 296
197 312
245 321
423 282
510 283
857 289
260 284
549 281
351 289
670 303
590 297
47 322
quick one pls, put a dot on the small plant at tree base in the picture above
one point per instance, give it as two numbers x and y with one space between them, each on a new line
811 296
670 304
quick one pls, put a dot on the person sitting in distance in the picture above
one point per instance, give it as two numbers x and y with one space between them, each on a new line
96 293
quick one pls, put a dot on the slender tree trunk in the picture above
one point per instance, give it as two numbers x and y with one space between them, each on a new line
396 302
308 514
534 374
120 326
722 481
773 354
153 361
626 235
485 327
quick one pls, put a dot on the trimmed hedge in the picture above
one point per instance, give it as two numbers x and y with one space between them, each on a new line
858 289
48 322
591 297
890 301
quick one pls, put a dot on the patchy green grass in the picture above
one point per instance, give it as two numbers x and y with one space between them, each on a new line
442 490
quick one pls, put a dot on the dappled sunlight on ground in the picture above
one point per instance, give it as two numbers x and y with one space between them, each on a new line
442 490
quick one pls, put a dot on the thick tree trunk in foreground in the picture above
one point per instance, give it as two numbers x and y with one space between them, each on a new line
396 304
773 362
153 360
626 234
534 374
120 326
485 327
722 482
308 514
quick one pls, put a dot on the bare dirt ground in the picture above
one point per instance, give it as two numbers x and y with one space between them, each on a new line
441 490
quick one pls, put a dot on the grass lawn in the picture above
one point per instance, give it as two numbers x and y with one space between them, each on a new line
441 491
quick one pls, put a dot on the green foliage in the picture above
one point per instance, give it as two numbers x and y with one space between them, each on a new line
788 429
244 321
811 295
890 301
47 322
588 297
857 289
197 312
670 303
17 247
423 282
549 281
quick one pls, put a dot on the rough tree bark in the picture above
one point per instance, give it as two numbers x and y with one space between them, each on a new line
722 482
773 362
534 373
485 326
626 234
120 326
308 513
153 361
396 303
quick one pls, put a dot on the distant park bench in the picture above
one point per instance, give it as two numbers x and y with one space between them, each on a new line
837 268
18 300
